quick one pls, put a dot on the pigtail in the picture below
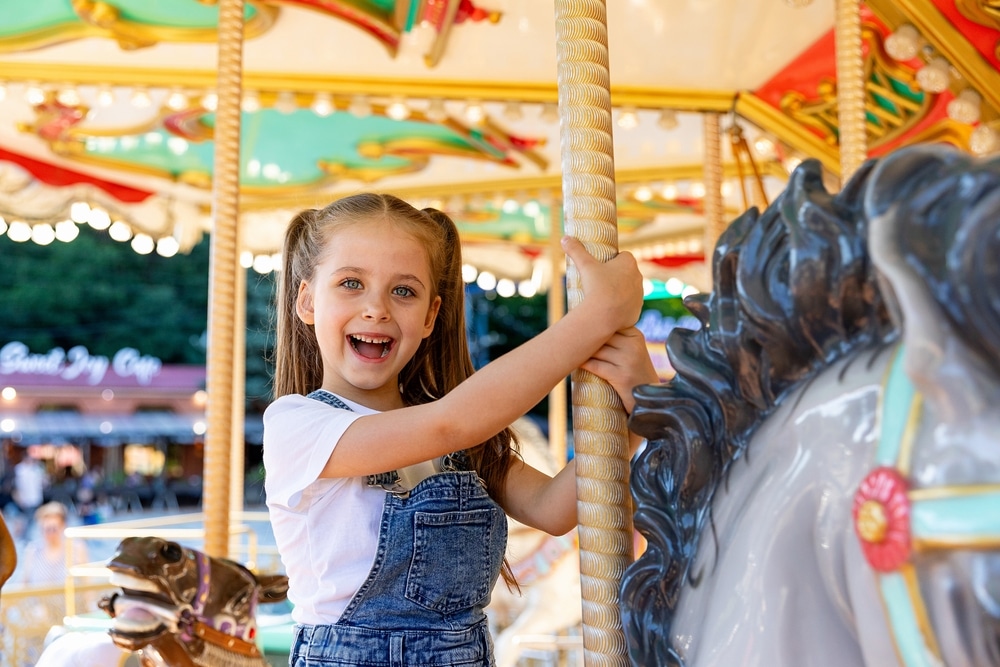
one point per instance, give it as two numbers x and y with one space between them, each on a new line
448 362
298 366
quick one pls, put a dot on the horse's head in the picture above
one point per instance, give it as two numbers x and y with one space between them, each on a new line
928 516
173 595
8 554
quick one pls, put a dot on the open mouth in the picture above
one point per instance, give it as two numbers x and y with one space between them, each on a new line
139 619
371 347
141 612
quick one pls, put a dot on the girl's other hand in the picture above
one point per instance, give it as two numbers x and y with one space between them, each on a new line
613 287
624 363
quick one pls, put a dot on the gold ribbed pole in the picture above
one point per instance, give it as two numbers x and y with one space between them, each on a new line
222 280
850 88
238 443
714 221
557 307
599 422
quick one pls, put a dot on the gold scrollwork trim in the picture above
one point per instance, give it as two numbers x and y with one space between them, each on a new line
940 492
881 76
100 19
955 542
983 12
531 184
909 575
946 131
340 171
787 130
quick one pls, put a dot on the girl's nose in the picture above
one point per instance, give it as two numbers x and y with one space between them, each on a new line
376 309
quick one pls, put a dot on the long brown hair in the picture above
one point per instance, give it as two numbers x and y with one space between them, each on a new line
441 362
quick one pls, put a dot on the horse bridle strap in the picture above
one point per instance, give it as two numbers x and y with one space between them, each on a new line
195 623
893 521
221 639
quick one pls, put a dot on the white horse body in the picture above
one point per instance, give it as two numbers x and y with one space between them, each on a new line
822 486
769 579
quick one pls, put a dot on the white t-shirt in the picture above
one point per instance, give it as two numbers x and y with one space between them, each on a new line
326 530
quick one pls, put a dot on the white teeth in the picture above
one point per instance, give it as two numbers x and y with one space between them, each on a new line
372 339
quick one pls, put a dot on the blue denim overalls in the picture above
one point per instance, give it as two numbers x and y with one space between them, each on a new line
440 547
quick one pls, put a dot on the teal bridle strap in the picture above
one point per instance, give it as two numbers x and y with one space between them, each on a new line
893 521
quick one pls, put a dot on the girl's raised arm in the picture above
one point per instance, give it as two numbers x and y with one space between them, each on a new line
503 390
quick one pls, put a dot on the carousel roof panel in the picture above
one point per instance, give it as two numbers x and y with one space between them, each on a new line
452 103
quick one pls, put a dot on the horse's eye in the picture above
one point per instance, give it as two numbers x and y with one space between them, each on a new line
172 552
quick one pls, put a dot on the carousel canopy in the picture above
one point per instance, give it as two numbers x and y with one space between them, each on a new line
107 112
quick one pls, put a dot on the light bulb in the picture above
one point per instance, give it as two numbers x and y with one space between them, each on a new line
668 119
984 140
286 103
512 111
436 112
167 246
177 100
398 110
43 234
904 43
628 118
250 102
322 104
935 76
360 106
143 244
965 107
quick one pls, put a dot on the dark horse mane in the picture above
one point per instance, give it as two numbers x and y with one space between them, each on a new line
794 290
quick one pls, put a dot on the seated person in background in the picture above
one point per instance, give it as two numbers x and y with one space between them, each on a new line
44 558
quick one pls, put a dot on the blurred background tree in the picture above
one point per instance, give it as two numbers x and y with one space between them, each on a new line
99 293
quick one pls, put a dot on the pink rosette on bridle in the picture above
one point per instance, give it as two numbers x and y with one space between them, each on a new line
882 519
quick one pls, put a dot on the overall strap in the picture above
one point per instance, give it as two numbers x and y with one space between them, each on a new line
390 480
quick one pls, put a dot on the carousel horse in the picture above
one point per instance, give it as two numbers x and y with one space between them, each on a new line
180 608
546 567
821 484
8 553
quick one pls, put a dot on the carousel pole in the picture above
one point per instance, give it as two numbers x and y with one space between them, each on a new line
850 88
714 220
238 442
223 267
600 429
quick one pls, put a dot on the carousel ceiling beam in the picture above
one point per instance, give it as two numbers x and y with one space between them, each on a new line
526 184
650 97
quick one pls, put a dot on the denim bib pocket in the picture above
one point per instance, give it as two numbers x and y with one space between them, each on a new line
451 537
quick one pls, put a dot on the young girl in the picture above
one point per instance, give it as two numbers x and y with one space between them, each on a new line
387 459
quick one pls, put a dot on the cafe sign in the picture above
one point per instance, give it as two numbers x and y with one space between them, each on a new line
77 362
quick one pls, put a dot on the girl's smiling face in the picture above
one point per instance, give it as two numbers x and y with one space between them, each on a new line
371 302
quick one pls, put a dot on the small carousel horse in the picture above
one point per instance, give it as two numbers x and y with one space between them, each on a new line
8 553
180 608
822 481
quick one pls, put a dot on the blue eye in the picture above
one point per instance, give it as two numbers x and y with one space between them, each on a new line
352 283
403 291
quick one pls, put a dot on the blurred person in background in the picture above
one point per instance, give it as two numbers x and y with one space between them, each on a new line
30 480
44 558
